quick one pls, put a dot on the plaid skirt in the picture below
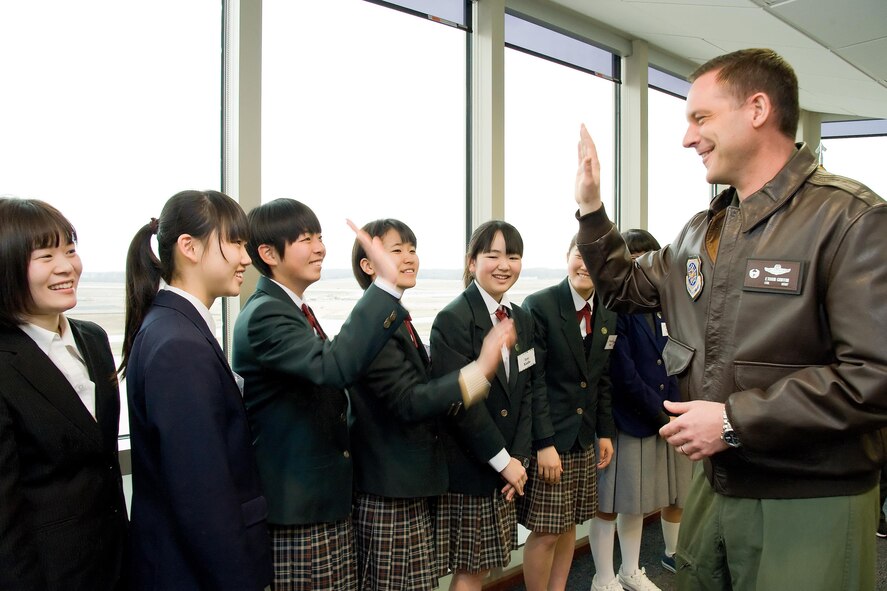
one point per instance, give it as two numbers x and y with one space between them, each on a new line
474 534
314 557
555 508
395 544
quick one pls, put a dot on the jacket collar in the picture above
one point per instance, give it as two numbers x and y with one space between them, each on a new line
484 323
274 290
567 308
758 206
48 380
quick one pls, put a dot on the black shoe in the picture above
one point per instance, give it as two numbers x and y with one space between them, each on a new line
882 528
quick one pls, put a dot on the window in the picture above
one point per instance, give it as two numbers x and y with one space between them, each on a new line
676 185
545 102
365 118
106 123
856 149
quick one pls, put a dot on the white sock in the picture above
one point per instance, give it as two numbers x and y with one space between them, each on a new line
600 537
670 536
631 528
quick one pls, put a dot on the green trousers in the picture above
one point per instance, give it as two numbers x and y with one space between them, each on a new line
821 544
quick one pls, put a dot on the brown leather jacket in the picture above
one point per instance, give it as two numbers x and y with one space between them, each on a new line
798 356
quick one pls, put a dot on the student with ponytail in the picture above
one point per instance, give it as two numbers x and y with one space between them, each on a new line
198 514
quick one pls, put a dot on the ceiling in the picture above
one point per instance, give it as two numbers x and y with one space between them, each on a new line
838 48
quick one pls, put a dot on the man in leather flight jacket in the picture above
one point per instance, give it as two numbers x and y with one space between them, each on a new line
776 303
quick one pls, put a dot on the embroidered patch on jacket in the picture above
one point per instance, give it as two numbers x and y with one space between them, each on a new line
773 276
694 279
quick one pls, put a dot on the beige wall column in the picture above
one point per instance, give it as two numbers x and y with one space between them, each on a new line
632 208
487 111
242 104
810 129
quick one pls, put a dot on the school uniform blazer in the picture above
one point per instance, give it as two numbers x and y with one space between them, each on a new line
640 380
576 386
198 514
295 397
477 434
62 512
396 435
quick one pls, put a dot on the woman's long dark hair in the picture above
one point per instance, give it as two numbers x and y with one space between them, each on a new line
198 213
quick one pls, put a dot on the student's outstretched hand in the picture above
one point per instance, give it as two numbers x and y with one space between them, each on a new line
550 468
588 174
516 477
379 258
502 335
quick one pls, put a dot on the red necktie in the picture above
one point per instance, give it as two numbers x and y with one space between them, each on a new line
585 314
501 313
313 321
409 322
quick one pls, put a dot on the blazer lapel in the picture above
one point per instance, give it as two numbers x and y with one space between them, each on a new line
49 382
602 318
570 325
107 396
484 324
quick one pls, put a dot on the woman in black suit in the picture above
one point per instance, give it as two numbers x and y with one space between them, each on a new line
476 520
399 459
62 512
198 514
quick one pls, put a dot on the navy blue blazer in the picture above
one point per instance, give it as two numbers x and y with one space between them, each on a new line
62 512
477 434
574 388
295 397
198 514
640 381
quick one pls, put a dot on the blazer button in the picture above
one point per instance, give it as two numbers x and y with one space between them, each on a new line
346 453
504 412
579 411
342 417
661 386
583 385
658 362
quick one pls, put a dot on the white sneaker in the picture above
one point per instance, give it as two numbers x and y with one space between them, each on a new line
611 586
636 582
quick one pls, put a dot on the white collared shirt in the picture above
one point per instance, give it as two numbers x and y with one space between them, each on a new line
579 303
198 305
63 352
500 461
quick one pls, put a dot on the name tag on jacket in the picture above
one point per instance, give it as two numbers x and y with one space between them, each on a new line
526 359
773 276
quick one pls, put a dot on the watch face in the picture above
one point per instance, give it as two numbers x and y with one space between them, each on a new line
731 439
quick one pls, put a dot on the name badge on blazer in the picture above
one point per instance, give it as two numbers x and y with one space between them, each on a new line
239 381
773 276
611 342
526 359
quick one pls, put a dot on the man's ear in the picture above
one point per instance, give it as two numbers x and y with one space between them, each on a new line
762 109
367 267
269 255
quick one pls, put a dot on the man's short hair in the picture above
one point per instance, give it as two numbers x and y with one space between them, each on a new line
748 71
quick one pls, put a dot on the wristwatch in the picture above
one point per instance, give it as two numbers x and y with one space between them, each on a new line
728 434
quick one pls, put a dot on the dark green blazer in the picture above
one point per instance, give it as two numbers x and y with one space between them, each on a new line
396 436
295 398
477 434
577 387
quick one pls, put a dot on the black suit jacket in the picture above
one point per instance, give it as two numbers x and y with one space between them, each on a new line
477 434
198 514
577 387
62 512
396 436
294 396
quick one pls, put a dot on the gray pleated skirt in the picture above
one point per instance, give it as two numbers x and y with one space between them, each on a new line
645 475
